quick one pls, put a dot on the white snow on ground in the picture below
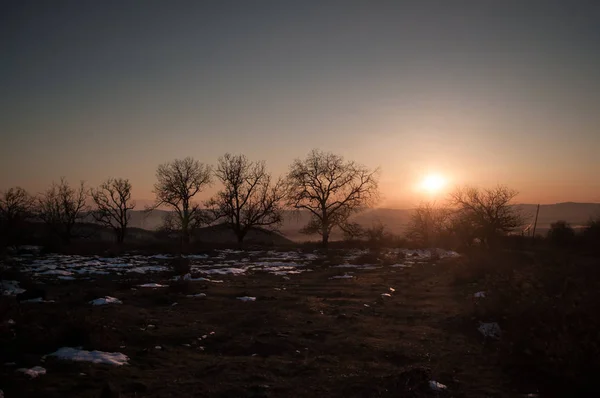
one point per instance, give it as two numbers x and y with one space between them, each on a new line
479 295
56 272
29 248
345 276
67 267
106 300
435 386
148 268
360 266
37 300
33 372
246 298
196 295
10 288
153 285
224 271
75 354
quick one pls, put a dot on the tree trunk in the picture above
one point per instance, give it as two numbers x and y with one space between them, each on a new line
120 235
185 241
325 240
240 238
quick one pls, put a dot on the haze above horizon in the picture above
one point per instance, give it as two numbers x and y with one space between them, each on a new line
435 93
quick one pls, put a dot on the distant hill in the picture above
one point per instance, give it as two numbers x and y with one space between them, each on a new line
223 234
395 220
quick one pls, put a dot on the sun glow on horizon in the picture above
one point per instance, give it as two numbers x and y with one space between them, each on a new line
433 183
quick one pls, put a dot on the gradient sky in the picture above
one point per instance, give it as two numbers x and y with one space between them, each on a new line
482 92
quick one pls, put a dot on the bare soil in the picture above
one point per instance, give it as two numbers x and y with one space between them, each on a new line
309 336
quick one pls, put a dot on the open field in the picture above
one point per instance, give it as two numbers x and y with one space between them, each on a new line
343 327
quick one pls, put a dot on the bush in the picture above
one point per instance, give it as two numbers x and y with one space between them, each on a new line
591 234
561 234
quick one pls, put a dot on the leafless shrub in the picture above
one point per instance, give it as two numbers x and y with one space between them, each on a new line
16 207
62 207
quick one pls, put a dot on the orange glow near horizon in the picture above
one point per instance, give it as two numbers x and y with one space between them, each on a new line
433 183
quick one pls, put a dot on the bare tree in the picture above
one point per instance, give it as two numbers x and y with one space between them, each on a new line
428 223
113 202
61 207
16 206
178 182
490 211
249 199
331 189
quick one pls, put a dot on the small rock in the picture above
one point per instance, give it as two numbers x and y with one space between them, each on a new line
491 329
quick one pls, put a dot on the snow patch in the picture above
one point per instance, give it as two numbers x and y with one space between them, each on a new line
75 354
246 298
224 271
435 386
345 276
479 295
148 268
33 372
10 288
56 272
196 295
37 300
401 265
153 285
106 300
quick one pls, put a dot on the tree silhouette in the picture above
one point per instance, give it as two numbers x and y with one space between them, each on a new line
61 207
113 202
331 189
16 206
490 211
178 182
427 224
249 198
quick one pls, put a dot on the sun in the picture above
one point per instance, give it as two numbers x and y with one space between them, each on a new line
433 183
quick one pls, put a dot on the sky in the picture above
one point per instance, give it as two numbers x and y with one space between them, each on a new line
481 92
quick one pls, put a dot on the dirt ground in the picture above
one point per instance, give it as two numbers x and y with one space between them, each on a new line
309 336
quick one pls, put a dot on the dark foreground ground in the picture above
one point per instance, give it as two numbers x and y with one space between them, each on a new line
309 336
